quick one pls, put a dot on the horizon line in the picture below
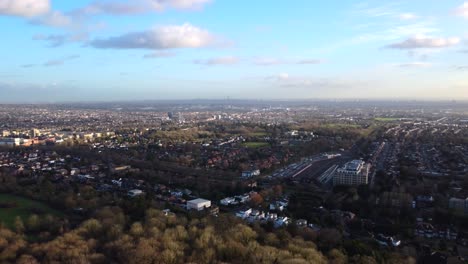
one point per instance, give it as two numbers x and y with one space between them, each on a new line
357 99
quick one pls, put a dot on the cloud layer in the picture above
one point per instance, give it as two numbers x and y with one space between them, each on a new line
462 10
164 37
422 42
61 61
24 8
228 60
60 39
126 7
276 61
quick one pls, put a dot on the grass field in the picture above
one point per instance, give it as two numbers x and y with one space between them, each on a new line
338 126
258 134
386 119
255 144
23 208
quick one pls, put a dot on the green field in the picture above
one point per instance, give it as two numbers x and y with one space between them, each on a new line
23 208
257 134
386 119
255 144
339 126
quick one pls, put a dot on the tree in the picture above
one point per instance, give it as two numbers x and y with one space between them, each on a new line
33 223
337 257
137 230
70 248
357 259
329 238
256 199
10 245
27 259
19 225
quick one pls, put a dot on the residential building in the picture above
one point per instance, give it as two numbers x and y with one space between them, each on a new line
134 193
251 173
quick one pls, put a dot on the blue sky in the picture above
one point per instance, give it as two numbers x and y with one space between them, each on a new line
184 49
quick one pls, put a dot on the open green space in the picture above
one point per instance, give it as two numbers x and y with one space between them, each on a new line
255 144
386 119
339 126
12 206
258 134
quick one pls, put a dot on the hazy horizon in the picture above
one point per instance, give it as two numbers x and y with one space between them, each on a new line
101 50
235 101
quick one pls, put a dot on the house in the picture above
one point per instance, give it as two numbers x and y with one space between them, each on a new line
387 241
74 171
244 213
251 173
198 204
282 221
167 212
177 193
244 198
227 201
135 193
301 223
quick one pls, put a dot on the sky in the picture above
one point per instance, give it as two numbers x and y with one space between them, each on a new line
113 50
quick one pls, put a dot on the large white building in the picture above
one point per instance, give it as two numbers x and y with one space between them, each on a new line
355 172
198 204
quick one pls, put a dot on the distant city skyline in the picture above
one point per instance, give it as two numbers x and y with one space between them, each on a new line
122 50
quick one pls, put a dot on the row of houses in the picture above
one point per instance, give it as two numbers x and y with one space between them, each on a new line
427 230
236 200
251 215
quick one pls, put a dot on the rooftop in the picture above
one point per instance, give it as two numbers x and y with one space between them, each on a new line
353 165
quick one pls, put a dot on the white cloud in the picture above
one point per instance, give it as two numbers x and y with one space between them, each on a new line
423 42
164 37
179 4
283 76
310 61
375 11
53 19
24 8
276 61
407 16
59 40
268 61
127 7
228 60
279 78
462 10
61 61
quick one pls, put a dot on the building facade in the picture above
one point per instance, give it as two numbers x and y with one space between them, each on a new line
198 204
355 172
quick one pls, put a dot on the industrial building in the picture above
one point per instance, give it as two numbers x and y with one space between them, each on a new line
355 172
198 204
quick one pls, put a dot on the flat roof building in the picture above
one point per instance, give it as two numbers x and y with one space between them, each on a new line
355 172
198 204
